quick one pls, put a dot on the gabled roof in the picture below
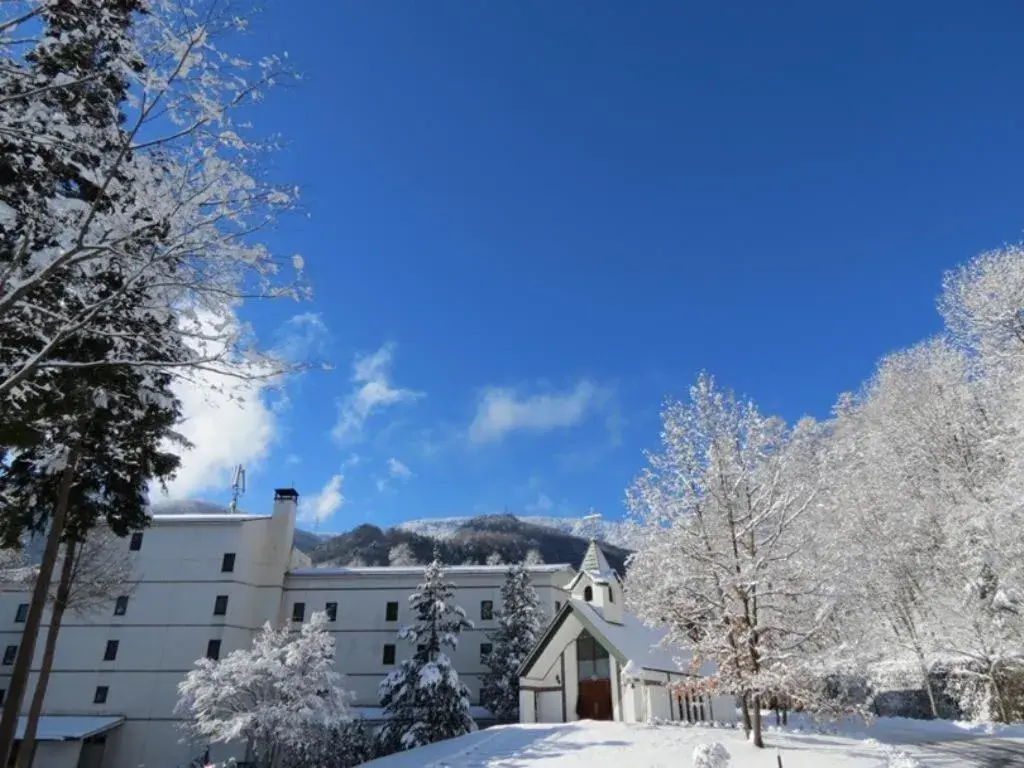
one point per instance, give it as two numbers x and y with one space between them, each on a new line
595 566
630 640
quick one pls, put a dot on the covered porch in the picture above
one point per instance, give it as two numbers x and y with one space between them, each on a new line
68 741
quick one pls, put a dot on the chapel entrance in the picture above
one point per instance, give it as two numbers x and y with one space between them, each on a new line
594 675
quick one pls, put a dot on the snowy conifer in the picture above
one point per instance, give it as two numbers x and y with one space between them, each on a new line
269 696
423 699
519 624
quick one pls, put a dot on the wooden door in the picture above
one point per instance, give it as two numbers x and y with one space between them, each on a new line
595 700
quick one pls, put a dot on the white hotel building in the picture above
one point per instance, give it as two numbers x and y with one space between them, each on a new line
205 585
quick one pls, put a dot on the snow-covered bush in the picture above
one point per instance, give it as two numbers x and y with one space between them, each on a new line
270 696
423 699
341 745
713 755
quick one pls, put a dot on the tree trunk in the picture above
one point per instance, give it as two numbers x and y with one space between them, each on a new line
926 676
1000 702
758 740
745 711
60 604
26 649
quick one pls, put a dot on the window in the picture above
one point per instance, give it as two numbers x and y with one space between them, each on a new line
10 653
100 697
611 595
332 611
558 605
121 605
588 593
392 612
227 565
135 544
298 611
2 694
213 650
22 613
220 606
485 652
389 654
591 658
486 609
111 653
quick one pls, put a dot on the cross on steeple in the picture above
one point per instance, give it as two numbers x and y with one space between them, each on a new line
590 521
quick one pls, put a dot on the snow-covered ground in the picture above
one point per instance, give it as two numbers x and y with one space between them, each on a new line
590 744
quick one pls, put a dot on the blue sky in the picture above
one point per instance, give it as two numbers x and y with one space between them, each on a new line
530 222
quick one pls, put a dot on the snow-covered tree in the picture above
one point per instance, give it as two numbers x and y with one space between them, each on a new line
402 554
721 511
533 557
268 696
424 700
519 624
494 558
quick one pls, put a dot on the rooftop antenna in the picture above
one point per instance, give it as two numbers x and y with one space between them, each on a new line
237 487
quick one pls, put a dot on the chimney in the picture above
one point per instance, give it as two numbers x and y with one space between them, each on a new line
286 502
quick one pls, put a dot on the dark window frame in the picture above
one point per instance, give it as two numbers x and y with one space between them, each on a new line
388 658
588 593
121 605
391 611
298 612
486 649
101 694
331 609
135 542
220 605
486 610
227 563
110 652
213 649
10 652
22 613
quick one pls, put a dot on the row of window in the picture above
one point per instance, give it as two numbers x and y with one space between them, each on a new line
390 652
390 611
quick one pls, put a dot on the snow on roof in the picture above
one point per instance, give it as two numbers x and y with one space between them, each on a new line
68 728
211 518
631 639
417 570
594 561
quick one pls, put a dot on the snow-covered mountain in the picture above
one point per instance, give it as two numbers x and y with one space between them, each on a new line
613 532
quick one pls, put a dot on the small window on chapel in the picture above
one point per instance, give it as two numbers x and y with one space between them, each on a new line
611 595
588 593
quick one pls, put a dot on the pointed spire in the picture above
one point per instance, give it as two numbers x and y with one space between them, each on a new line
594 561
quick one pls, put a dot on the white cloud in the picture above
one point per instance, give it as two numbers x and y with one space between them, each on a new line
228 421
292 459
372 391
398 470
302 337
324 504
543 503
501 411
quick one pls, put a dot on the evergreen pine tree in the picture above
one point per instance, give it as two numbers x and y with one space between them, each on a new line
423 699
514 638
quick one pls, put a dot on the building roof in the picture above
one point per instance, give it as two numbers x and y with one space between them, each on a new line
204 518
417 570
69 727
628 640
596 564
